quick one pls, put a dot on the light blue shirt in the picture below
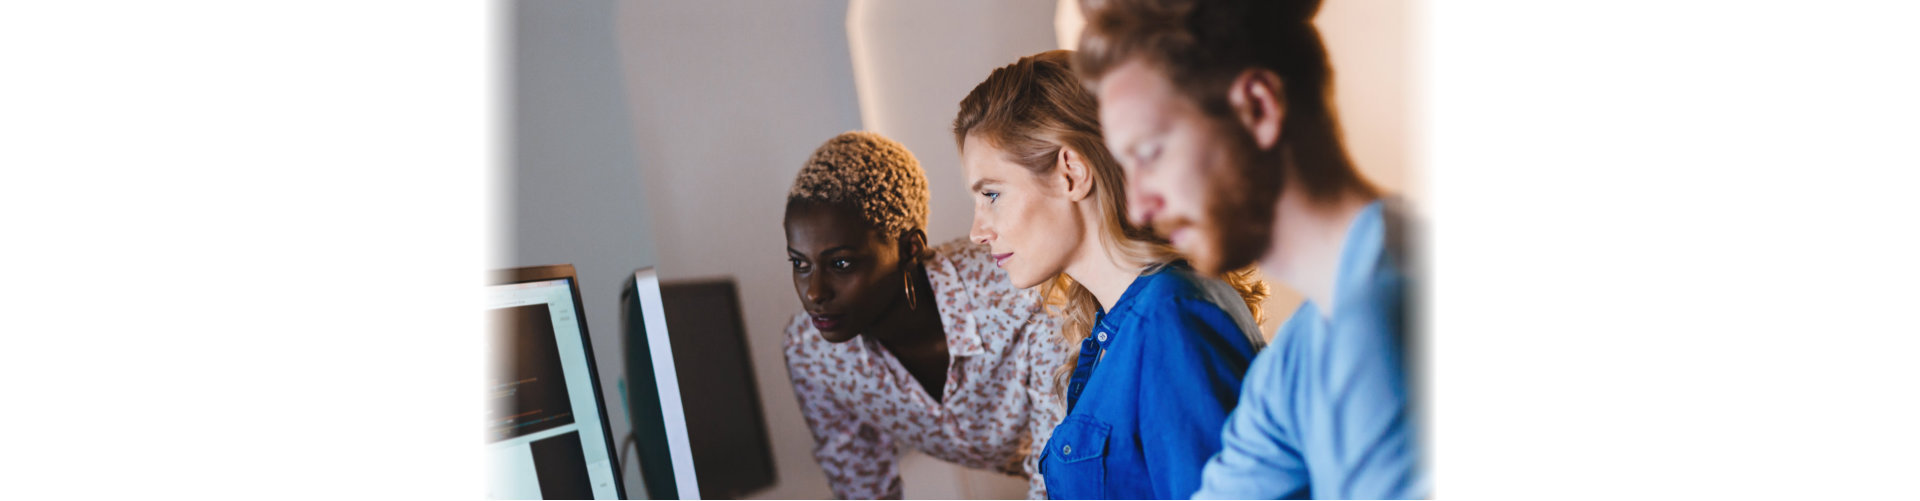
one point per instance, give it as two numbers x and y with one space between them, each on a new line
1324 411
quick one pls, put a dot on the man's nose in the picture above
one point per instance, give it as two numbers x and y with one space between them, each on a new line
1142 204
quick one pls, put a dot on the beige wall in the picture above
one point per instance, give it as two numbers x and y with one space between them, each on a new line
1375 77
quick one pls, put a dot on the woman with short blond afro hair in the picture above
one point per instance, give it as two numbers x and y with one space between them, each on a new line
866 170
901 343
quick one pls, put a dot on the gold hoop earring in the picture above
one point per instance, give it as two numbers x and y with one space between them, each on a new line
912 303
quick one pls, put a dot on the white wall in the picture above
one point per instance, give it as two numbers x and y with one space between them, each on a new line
574 182
728 98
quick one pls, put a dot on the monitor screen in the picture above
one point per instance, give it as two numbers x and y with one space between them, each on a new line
546 425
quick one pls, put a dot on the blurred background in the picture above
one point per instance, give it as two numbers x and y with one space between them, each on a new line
650 133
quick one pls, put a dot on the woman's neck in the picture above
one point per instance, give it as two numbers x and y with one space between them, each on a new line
1095 267
912 330
913 333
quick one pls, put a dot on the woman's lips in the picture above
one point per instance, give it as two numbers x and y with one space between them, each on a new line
1001 259
826 322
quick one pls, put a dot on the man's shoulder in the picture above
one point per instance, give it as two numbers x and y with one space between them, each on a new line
1379 263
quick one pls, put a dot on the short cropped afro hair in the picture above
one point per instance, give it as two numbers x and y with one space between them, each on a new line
866 171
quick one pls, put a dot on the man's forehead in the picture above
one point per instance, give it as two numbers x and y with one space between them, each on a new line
1131 90
1131 78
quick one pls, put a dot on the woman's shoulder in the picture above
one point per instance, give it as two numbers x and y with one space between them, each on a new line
1177 291
964 255
801 339
1176 280
971 266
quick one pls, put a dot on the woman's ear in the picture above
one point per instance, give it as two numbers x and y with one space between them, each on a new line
913 245
1079 179
1256 98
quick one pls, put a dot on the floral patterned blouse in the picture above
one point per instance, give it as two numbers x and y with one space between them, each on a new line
862 404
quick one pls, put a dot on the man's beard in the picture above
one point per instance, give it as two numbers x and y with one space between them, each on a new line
1242 187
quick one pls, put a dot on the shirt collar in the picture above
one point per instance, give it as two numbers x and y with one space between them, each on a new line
1108 322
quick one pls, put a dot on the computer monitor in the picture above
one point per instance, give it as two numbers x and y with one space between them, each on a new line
547 430
725 424
653 393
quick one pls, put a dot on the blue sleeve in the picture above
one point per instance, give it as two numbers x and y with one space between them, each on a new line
1365 383
1256 460
1364 434
1198 356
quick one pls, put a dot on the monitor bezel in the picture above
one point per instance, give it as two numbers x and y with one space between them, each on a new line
546 273
653 318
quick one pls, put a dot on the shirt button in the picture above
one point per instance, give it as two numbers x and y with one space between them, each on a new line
1066 449
1102 337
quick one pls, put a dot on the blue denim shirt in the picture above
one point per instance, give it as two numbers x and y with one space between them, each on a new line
1326 410
1156 380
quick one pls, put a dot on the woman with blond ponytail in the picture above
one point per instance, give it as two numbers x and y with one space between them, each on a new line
1158 350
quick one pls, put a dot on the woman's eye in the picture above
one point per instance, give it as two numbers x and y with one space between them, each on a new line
797 264
841 264
992 196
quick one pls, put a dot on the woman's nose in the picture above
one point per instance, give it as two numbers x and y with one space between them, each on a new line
979 232
817 290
